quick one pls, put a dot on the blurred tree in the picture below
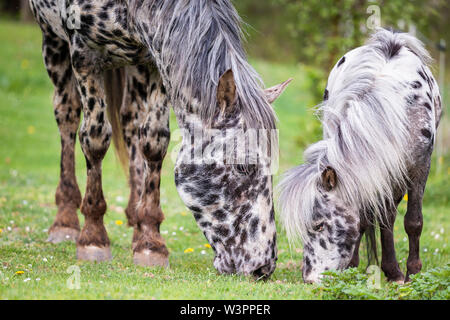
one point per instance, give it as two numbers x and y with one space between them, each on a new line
319 32
10 7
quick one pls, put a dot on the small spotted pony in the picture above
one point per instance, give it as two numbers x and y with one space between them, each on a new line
135 58
380 114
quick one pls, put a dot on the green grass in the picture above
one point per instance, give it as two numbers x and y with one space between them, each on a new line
29 170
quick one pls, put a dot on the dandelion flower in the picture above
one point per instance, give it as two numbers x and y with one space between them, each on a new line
24 64
189 250
405 197
207 245
31 130
183 213
119 222
20 272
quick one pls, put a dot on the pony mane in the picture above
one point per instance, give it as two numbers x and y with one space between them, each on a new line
365 135
200 40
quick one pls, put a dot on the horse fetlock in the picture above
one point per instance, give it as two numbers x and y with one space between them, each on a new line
93 233
413 266
68 195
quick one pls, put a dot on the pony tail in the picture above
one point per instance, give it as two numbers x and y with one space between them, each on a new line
114 89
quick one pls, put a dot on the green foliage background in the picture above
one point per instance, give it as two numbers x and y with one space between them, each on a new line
317 32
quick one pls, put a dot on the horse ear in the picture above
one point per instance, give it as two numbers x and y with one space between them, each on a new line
226 91
329 178
273 93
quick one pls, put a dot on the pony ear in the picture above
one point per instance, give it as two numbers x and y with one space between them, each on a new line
274 92
226 91
329 178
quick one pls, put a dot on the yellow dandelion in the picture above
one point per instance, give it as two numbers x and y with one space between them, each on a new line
20 272
207 245
183 213
31 130
189 250
1 230
405 197
24 64
119 222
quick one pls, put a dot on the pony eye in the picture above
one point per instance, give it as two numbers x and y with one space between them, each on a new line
319 227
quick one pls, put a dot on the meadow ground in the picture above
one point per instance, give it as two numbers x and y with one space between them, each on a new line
31 268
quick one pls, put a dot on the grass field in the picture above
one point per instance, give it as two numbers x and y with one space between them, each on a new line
29 170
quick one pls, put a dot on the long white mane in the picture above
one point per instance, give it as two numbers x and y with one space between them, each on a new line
365 132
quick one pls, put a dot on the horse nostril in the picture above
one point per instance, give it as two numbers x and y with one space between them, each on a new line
262 273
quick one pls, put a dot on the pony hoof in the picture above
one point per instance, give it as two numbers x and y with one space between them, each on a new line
94 253
148 258
60 234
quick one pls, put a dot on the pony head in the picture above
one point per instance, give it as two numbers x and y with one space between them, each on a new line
328 226
224 176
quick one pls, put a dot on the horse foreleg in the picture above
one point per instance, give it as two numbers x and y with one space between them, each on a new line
154 135
389 263
67 108
95 137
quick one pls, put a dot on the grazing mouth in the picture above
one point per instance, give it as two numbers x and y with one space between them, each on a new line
263 273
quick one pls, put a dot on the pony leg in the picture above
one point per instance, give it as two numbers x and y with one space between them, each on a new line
131 117
367 228
414 220
354 262
389 263
95 136
67 108
154 135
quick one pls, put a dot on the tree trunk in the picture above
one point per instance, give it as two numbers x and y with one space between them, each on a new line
25 12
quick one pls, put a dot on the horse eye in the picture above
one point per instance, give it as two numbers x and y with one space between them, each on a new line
319 227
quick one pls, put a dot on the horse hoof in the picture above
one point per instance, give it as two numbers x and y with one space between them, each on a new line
60 234
148 258
94 253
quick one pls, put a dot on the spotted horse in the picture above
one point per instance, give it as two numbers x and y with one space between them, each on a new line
123 63
380 114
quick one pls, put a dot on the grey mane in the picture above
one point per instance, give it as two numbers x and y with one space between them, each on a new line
200 40
366 136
